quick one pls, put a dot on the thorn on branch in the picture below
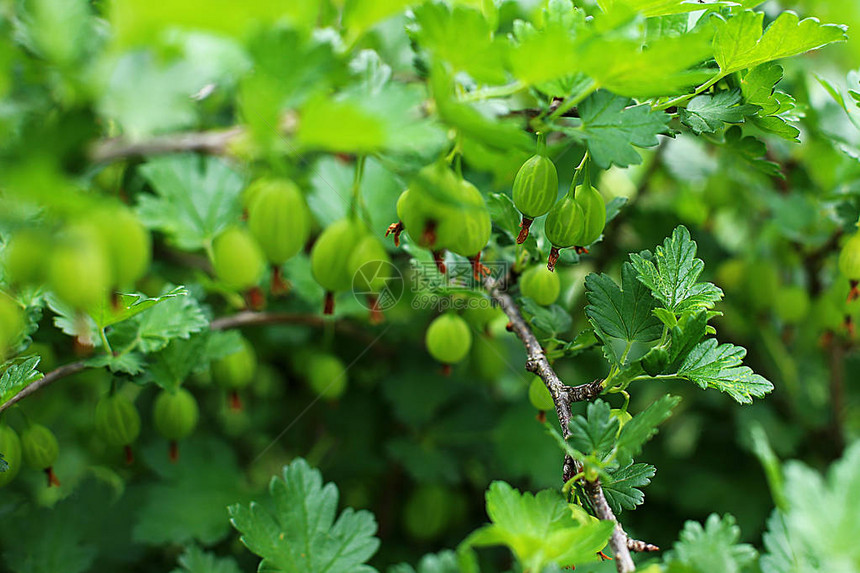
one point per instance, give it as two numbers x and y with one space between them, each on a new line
641 546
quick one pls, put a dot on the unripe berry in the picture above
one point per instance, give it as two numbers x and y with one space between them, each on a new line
539 395
849 264
849 257
237 260
564 224
448 339
24 257
10 447
535 190
427 512
128 243
175 413
594 213
791 304
117 420
475 226
431 208
236 370
489 357
118 423
623 416
326 375
369 265
40 449
278 218
330 257
79 270
541 285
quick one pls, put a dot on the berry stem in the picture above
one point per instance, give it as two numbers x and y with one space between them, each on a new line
52 477
525 225
854 293
553 259
541 143
129 455
173 452
356 185
439 259
328 305
279 285
396 229
376 316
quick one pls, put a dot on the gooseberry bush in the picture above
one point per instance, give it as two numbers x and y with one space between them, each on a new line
465 258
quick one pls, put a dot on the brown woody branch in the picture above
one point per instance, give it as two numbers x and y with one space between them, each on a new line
214 142
563 396
49 378
238 320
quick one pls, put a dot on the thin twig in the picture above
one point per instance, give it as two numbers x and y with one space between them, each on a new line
238 320
641 546
49 378
562 397
215 142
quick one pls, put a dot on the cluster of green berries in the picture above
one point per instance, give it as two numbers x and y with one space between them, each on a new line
575 220
85 260
441 211
36 447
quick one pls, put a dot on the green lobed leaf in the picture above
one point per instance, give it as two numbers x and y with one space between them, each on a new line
504 213
195 198
714 365
357 121
128 362
300 534
442 562
674 278
195 560
706 113
595 433
611 130
621 488
189 501
751 150
17 375
815 534
361 15
662 67
684 336
561 23
636 432
538 528
169 367
174 317
757 87
483 125
549 321
739 42
713 547
461 36
651 8
126 306
138 22
67 536
621 316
